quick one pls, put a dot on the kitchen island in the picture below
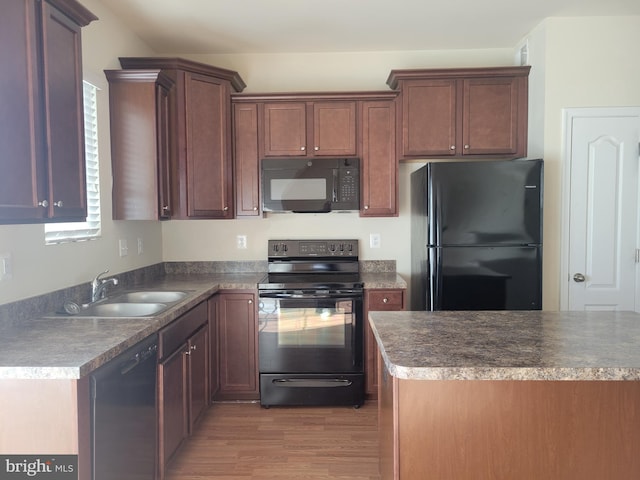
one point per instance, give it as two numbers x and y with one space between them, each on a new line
508 395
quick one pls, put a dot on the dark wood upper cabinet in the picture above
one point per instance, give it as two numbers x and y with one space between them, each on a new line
42 119
138 109
313 128
246 159
341 124
473 112
379 164
200 135
285 129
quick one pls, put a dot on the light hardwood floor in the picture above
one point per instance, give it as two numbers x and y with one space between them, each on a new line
242 441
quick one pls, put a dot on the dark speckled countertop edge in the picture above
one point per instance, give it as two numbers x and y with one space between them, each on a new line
67 347
49 347
537 346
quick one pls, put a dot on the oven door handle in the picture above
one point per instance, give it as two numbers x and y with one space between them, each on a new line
309 295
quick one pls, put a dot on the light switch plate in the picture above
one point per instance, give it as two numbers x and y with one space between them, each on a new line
123 248
374 240
6 266
241 242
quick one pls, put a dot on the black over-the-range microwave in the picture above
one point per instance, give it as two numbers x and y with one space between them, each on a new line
310 185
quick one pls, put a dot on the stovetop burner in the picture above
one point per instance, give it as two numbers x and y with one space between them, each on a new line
312 264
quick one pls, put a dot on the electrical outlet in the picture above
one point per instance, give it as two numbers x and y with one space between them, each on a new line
140 246
123 248
6 266
241 242
374 240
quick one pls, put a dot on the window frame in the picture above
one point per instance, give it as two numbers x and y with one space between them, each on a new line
90 229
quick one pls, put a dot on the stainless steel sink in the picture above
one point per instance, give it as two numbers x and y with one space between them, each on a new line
123 309
139 303
159 296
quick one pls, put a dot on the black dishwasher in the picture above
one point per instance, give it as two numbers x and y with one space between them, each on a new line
123 411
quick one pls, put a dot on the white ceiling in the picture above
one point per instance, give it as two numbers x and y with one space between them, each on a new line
287 26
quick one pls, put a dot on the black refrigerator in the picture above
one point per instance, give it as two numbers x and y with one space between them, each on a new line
476 235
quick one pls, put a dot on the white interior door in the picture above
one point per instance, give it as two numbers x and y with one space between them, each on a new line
602 209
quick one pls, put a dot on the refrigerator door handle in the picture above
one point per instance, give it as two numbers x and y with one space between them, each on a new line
434 300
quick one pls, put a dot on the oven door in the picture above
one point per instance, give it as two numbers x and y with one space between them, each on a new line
310 332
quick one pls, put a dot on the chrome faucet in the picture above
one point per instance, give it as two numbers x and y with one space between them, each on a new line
99 286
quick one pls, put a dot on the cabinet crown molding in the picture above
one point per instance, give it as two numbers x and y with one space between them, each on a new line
74 10
141 76
177 63
433 73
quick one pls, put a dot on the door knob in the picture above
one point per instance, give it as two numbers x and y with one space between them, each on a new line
578 277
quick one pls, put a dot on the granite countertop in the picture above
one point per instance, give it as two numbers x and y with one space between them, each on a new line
533 345
382 280
67 347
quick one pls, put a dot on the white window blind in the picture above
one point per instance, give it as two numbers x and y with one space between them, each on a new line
78 231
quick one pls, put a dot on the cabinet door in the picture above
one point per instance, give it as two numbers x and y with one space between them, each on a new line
237 347
164 152
214 365
377 300
23 182
138 110
246 159
379 167
198 347
285 129
492 113
208 162
64 115
334 128
172 404
429 117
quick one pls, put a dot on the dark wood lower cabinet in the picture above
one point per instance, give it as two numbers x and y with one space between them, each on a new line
183 380
237 343
172 403
377 300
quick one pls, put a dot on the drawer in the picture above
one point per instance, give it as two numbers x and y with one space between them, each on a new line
178 331
385 300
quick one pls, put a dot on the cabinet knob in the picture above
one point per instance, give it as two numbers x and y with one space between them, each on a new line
165 208
466 147
58 204
43 203
316 148
188 352
194 347
303 148
452 147
225 208
255 209
366 207
250 302
385 300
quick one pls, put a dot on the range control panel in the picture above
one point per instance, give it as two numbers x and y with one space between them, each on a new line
313 248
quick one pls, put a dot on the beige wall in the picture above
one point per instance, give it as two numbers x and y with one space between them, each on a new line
576 62
589 62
